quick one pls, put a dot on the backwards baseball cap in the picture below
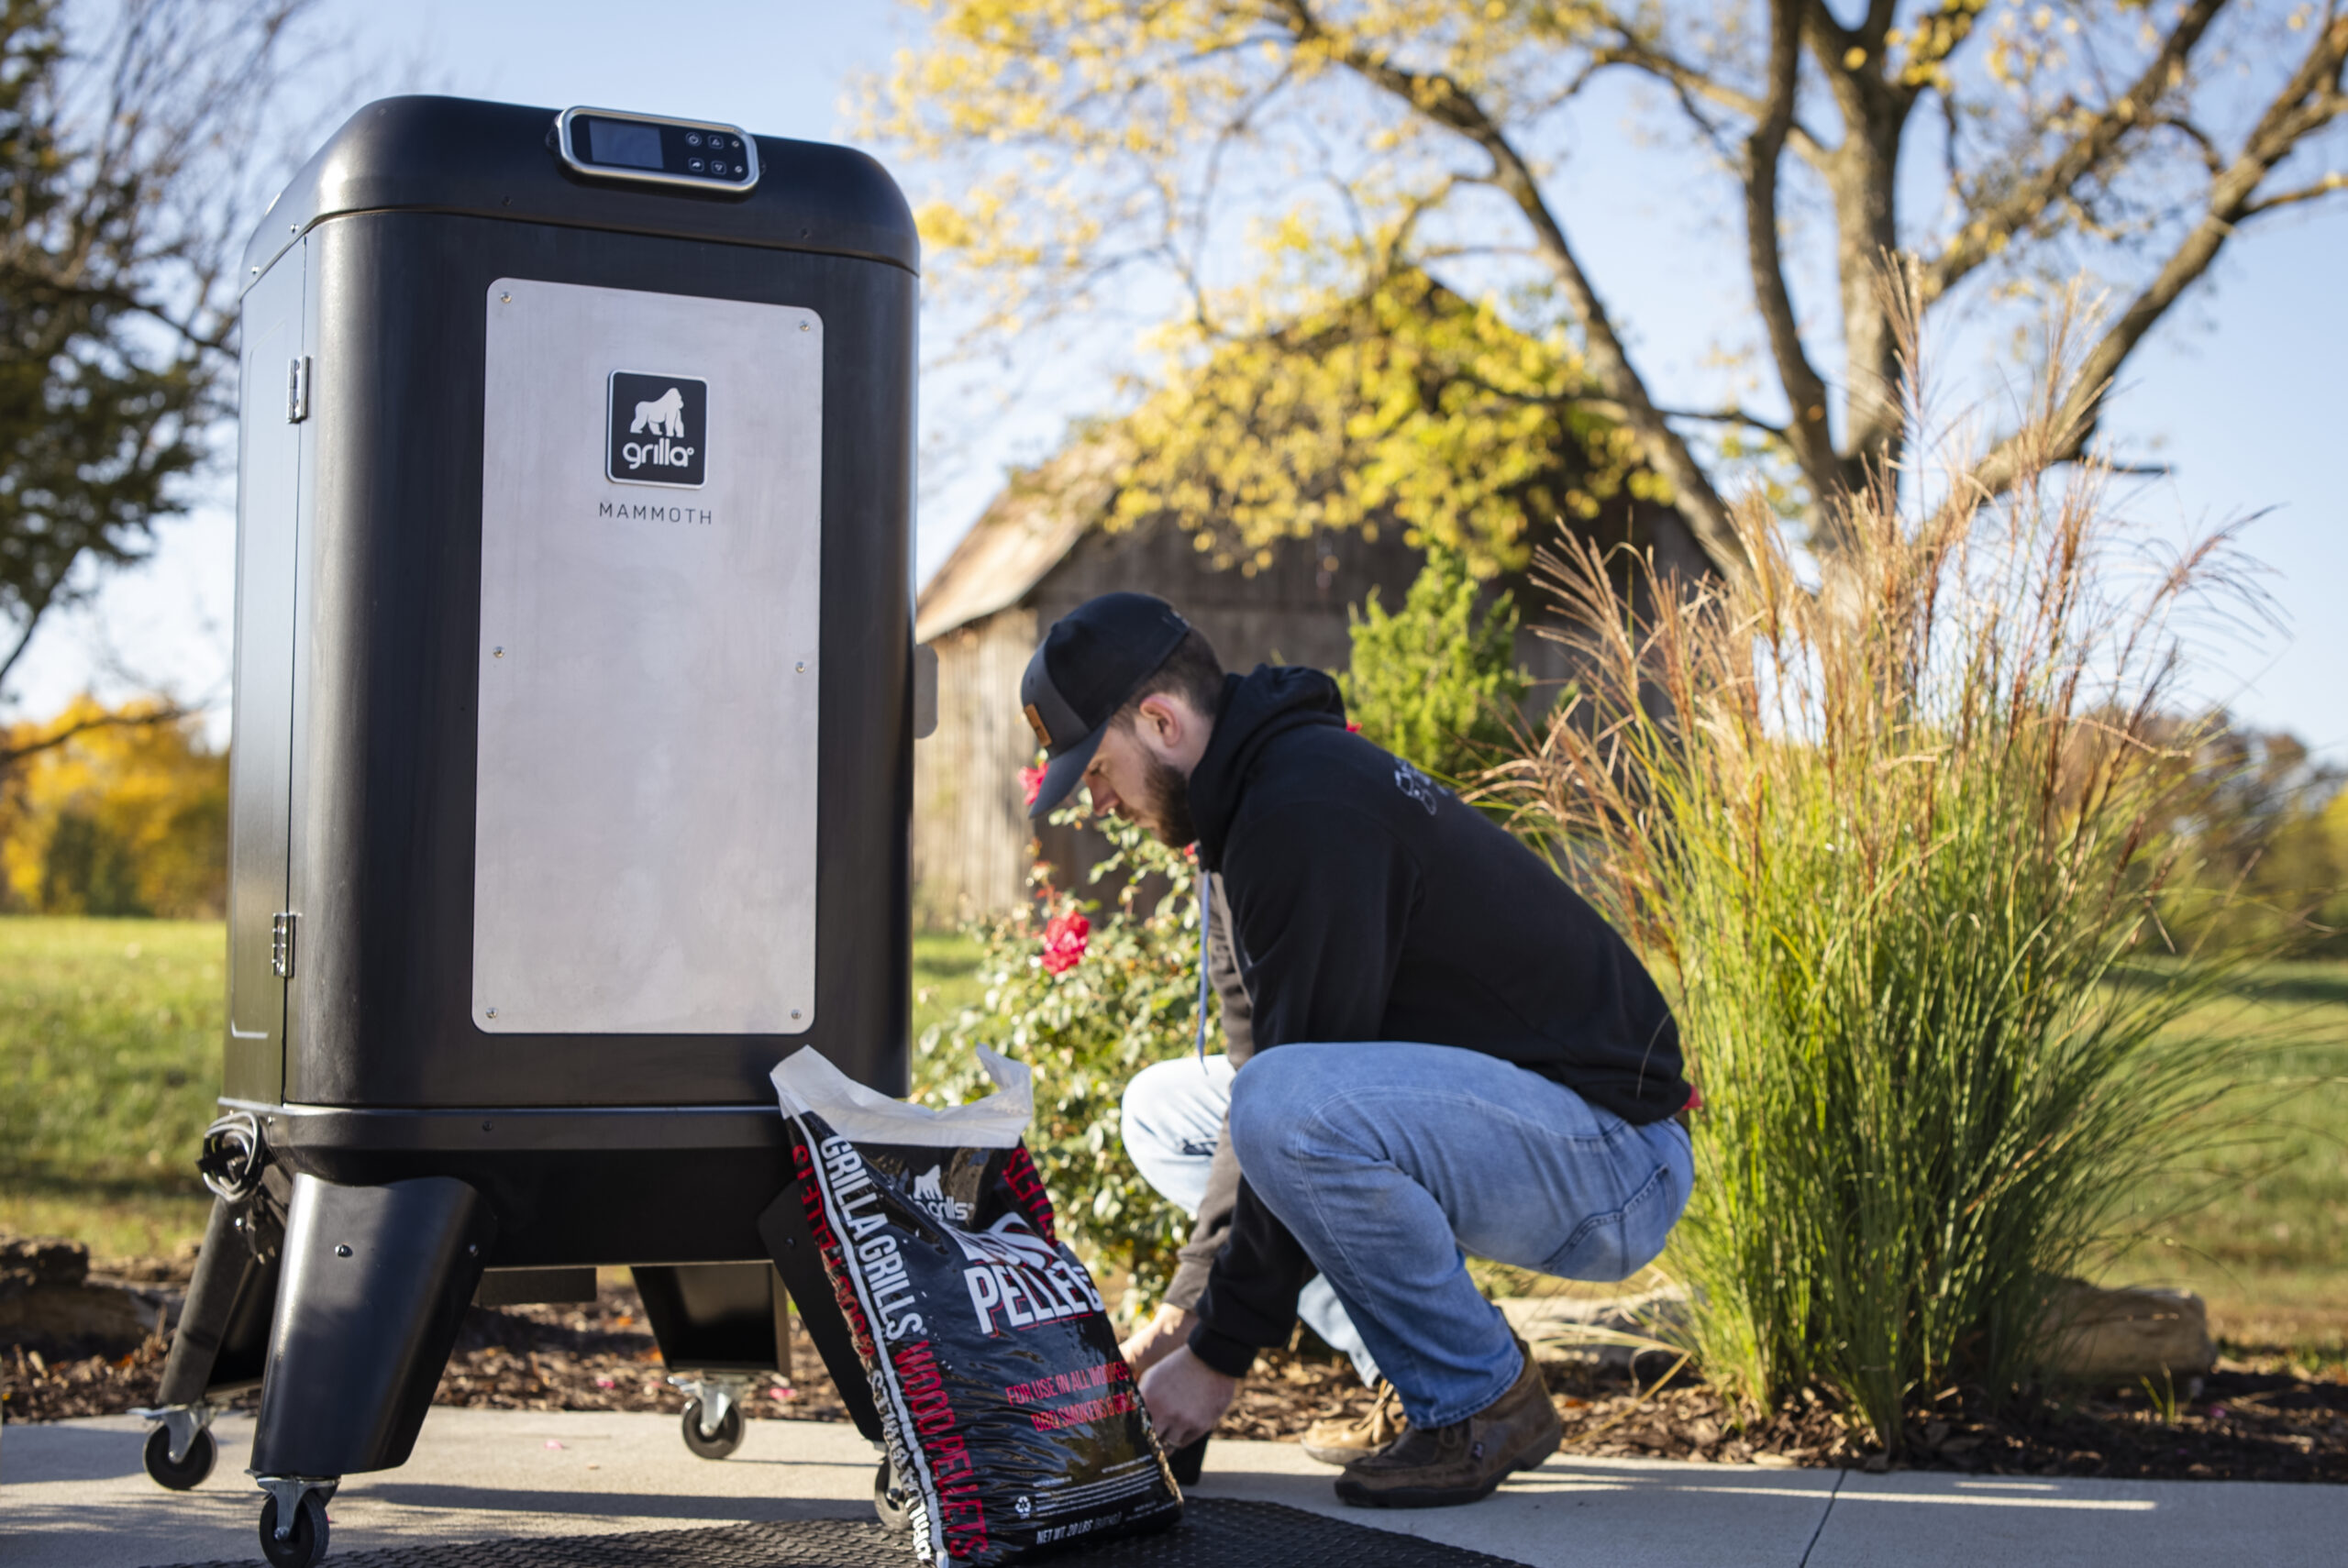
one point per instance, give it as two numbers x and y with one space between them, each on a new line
1089 666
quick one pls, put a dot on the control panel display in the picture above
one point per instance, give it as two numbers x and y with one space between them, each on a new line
611 145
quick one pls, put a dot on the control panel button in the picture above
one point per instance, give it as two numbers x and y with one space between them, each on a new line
615 145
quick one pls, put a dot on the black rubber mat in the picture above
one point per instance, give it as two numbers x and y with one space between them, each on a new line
1215 1533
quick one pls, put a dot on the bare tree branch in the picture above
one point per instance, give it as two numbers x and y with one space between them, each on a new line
2310 99
2330 185
1613 410
1807 431
1994 225
37 602
1449 105
1629 50
170 713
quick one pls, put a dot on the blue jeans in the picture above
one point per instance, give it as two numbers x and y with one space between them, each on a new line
1173 1120
1386 1159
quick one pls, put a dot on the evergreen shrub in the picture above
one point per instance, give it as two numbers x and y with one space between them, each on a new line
1436 682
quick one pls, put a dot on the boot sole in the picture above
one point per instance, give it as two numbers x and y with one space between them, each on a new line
1340 1457
1354 1495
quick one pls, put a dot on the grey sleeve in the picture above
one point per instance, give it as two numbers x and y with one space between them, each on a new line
1223 972
1213 1225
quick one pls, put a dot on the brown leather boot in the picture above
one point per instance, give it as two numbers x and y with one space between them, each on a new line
1442 1467
1336 1439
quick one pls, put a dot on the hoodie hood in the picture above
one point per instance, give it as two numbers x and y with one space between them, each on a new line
1258 709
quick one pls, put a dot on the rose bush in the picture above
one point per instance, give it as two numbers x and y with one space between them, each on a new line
1088 995
1066 936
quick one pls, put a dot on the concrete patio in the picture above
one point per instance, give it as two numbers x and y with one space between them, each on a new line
73 1495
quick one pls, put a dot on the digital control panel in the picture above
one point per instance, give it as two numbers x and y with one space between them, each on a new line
611 145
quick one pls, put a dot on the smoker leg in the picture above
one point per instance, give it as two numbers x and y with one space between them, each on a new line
222 1336
783 1228
718 1325
376 1281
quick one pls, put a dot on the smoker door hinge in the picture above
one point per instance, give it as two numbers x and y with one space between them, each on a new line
281 944
298 391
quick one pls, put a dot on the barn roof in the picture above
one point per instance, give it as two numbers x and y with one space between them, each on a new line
1023 533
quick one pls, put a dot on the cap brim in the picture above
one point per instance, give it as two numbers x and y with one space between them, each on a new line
1065 771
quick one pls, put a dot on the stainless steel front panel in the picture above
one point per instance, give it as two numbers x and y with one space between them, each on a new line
269 462
646 797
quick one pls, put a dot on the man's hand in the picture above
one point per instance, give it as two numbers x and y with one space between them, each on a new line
1185 1396
1159 1338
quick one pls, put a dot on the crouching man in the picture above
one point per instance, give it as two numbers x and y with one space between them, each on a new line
1435 1046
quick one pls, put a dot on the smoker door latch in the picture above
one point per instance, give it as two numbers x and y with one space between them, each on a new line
281 944
297 390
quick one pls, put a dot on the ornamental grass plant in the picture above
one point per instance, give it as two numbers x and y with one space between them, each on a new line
1897 817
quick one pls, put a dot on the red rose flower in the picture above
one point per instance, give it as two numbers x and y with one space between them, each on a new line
1031 783
1065 936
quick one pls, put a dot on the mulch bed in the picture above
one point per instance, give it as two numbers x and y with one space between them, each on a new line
2256 1418
2259 1417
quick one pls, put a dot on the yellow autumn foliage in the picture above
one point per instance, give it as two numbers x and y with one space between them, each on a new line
128 816
1406 406
1228 170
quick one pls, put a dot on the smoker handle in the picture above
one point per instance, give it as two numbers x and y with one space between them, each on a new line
925 691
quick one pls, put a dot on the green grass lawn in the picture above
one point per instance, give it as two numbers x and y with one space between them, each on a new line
946 978
2267 1241
110 1056
109 1059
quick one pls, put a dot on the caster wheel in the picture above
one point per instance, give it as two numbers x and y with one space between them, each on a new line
894 1507
719 1444
305 1544
189 1471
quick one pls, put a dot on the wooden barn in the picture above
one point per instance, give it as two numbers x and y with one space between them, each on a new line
1038 552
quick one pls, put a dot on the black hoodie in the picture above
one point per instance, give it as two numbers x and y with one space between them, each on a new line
1364 902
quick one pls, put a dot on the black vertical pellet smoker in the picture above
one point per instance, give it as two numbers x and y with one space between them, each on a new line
572 760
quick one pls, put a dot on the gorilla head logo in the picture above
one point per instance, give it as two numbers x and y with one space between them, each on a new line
663 416
930 1193
656 429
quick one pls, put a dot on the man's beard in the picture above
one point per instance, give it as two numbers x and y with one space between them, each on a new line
1166 802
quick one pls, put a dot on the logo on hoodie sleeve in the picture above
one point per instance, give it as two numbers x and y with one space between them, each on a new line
1416 784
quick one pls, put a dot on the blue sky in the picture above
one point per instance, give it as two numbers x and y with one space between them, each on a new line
2240 391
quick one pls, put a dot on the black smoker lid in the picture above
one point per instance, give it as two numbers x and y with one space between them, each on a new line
458 155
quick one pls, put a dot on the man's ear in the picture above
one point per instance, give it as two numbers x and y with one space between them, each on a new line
1168 722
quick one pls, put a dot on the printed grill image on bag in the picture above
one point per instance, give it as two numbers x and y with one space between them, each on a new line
1012 1422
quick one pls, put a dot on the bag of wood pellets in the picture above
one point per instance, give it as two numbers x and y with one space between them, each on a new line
1012 1424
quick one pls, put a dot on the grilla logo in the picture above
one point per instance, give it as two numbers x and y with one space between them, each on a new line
930 1194
657 430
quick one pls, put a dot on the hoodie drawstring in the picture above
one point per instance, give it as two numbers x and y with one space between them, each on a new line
1206 924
